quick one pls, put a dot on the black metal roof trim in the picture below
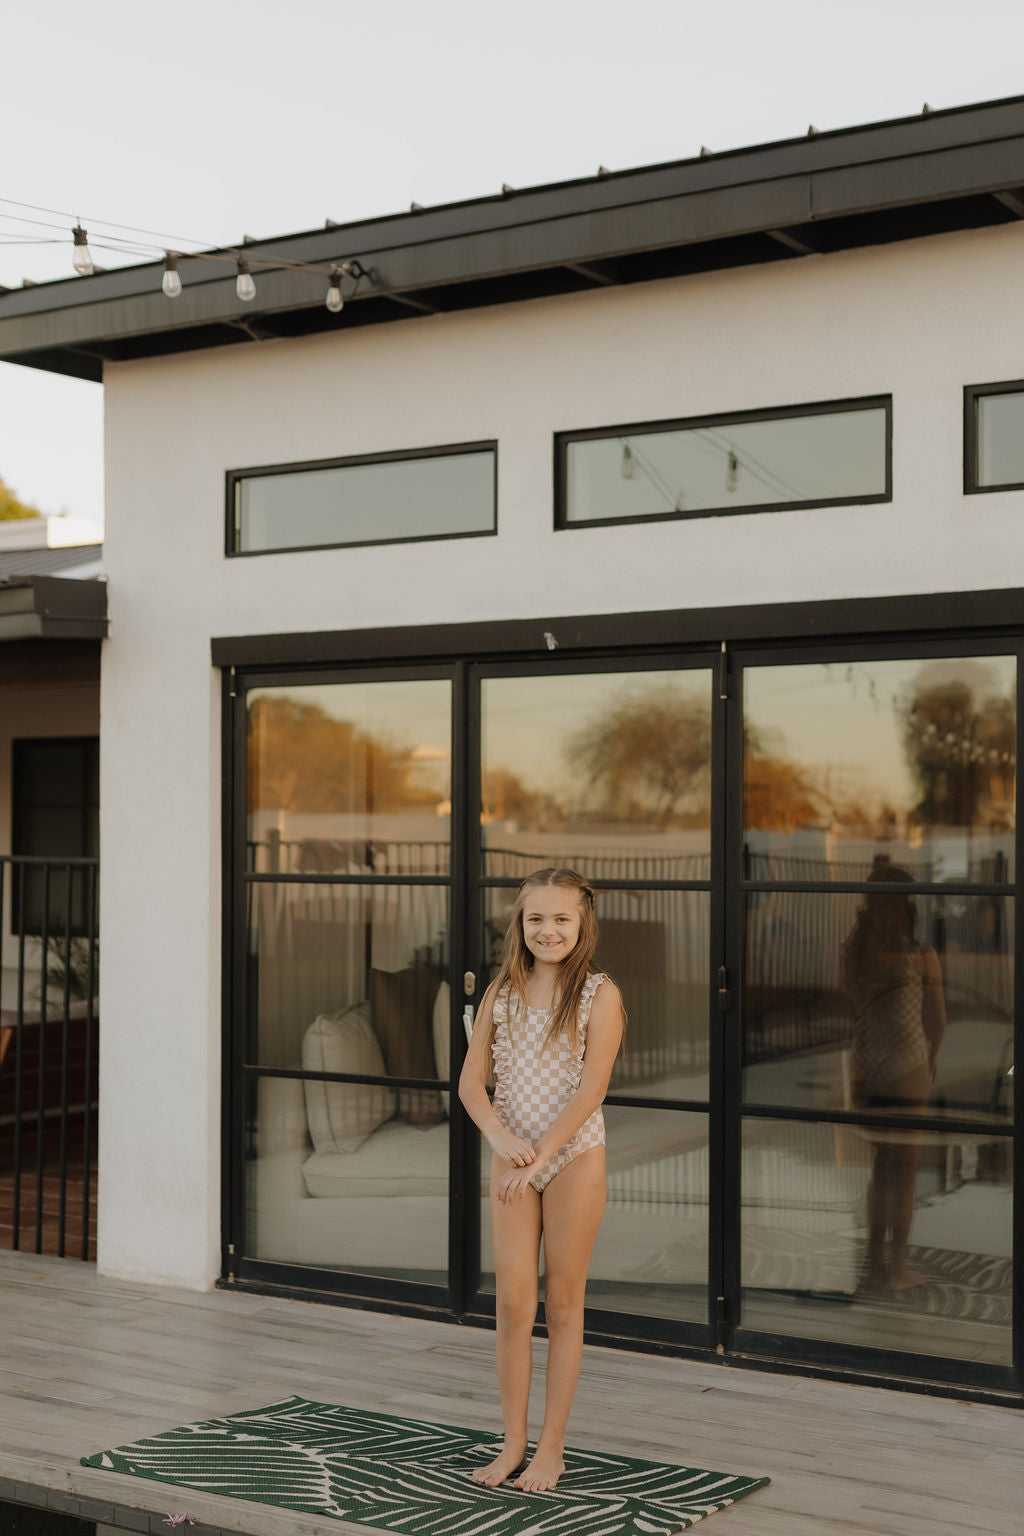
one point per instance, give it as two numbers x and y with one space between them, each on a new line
842 620
52 607
773 202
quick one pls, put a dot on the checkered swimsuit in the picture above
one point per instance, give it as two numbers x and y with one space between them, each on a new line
535 1081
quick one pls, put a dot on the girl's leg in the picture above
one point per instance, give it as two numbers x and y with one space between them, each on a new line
912 1091
878 1219
572 1206
515 1232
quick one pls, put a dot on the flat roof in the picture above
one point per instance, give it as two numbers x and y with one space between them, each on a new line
960 168
52 608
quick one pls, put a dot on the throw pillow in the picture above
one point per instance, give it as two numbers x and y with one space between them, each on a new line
342 1115
401 1010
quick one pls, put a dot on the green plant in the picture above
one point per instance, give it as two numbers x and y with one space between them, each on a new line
68 964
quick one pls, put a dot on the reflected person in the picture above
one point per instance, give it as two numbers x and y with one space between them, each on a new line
893 983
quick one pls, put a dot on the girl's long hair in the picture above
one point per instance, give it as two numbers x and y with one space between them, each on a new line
517 962
885 930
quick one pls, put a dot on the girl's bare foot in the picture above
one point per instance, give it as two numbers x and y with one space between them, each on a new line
543 1472
907 1279
509 1460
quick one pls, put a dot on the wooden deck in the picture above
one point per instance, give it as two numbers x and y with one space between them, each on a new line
87 1363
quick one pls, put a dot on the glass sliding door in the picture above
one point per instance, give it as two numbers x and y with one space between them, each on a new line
876 914
805 866
346 989
608 770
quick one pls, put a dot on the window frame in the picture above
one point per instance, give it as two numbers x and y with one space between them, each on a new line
730 418
18 770
234 478
972 394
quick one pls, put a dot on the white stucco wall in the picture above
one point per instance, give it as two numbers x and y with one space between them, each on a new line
917 320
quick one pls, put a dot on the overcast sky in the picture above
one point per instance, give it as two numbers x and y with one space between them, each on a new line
210 120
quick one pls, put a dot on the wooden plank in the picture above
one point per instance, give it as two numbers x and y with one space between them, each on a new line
87 1363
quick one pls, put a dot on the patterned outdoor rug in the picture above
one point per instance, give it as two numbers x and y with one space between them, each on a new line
414 1477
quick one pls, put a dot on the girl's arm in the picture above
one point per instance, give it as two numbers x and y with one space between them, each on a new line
933 1008
473 1090
604 1036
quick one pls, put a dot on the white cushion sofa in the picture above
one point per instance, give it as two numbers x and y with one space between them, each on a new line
342 1179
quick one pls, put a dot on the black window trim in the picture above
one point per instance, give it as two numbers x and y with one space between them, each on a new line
18 744
728 418
234 478
972 394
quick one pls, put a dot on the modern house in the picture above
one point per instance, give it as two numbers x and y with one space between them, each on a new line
668 524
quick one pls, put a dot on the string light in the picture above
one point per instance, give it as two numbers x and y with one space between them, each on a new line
128 245
82 259
335 300
244 285
171 284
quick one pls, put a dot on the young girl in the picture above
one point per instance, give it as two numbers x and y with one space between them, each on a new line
550 1025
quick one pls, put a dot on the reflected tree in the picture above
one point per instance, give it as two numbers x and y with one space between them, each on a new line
778 796
507 798
959 739
648 758
302 759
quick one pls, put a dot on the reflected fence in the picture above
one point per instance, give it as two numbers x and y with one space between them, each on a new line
49 1054
317 949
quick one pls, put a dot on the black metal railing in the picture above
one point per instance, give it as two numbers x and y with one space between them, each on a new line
49 1038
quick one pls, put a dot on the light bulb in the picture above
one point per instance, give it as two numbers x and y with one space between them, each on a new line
732 474
82 257
626 467
244 285
335 300
171 284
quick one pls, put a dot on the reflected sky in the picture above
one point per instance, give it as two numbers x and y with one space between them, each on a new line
729 465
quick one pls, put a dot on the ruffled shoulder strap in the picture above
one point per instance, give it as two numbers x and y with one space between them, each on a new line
590 987
499 1008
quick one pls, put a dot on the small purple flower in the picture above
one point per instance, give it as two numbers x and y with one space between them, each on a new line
178 1520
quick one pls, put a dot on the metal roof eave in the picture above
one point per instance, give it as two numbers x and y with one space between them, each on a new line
784 192
52 608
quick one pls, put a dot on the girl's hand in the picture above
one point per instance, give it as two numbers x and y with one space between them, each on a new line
512 1148
512 1185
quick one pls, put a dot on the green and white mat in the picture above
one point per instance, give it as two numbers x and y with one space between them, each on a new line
410 1476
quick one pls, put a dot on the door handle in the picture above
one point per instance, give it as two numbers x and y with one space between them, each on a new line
469 983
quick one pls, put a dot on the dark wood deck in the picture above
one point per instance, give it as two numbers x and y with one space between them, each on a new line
87 1363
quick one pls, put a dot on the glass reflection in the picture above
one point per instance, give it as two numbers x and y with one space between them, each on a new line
1000 439
651 1254
336 1178
808 1263
323 952
881 1002
913 762
655 945
415 498
350 778
609 773
726 466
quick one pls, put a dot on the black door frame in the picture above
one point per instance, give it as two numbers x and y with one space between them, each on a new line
891 628
479 1304
854 1358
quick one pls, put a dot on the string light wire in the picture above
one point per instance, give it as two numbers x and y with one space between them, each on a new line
126 245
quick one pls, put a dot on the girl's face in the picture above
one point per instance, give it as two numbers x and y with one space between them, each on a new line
551 922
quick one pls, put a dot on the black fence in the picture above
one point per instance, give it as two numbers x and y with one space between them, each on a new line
49 1053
